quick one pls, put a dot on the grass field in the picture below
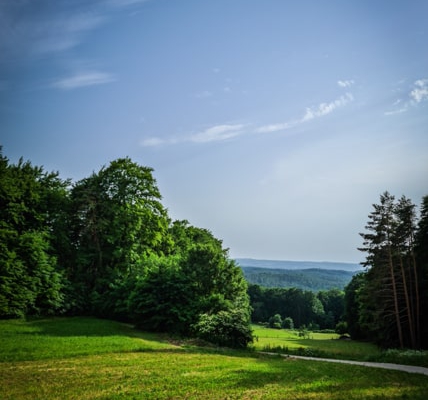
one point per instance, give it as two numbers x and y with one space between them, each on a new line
86 358
327 345
318 344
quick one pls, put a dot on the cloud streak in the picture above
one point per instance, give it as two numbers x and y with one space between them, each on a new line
33 34
217 133
327 108
224 132
84 79
310 114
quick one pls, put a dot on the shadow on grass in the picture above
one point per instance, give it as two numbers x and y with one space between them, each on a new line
79 326
90 327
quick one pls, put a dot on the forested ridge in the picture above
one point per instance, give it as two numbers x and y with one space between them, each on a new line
106 246
293 265
307 279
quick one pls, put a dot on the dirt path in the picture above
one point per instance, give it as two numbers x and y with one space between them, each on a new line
398 367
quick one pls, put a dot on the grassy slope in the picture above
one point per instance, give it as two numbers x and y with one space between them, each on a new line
95 359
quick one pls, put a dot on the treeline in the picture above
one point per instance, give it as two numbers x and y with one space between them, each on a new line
105 246
388 303
297 308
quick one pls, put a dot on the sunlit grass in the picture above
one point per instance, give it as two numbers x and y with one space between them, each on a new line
318 344
328 345
126 364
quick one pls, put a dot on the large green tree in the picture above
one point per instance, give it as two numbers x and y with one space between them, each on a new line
118 221
31 201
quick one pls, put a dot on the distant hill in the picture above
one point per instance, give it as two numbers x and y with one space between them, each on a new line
305 275
280 264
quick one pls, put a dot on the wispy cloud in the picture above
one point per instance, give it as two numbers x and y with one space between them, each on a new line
345 83
32 34
215 133
327 108
125 3
418 93
29 31
276 127
83 79
29 28
311 113
225 132
398 111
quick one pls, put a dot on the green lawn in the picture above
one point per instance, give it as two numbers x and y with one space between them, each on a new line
71 337
85 358
328 345
318 344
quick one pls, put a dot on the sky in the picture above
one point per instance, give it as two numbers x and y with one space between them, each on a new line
275 124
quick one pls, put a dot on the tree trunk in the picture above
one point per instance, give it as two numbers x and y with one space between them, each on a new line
394 291
408 306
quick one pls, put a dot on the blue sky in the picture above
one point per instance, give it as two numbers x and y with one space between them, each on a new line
275 124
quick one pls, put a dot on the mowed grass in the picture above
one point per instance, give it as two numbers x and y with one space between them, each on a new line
40 339
328 345
113 361
318 344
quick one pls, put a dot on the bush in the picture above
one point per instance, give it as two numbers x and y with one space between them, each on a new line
341 328
275 321
225 328
288 323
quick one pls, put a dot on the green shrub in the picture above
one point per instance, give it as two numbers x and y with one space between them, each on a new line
225 328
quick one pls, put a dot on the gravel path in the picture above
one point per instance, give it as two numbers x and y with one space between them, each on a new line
399 367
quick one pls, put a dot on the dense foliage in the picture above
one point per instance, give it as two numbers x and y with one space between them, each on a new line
31 207
387 303
105 246
286 308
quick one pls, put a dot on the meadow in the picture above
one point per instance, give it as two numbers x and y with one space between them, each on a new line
328 345
88 358
320 344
